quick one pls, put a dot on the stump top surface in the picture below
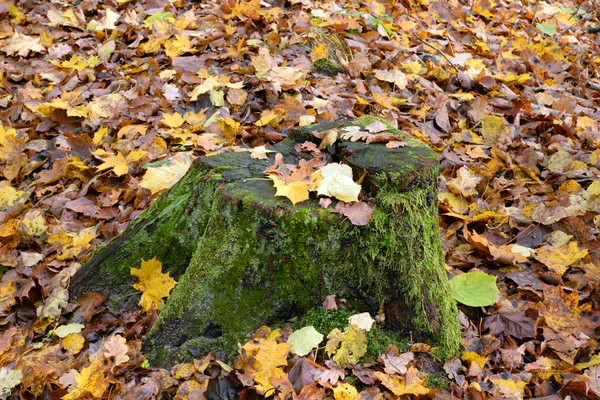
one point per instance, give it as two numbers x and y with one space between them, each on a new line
243 176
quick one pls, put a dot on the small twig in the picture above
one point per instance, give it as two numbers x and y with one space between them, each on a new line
576 11
439 51
534 15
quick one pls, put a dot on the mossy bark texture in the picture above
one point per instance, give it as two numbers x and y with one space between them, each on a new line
246 258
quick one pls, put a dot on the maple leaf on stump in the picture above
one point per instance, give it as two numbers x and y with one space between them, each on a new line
153 283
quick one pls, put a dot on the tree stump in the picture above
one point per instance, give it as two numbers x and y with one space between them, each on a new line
247 258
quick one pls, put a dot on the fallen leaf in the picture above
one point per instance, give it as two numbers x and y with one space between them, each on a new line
174 120
64 330
260 153
558 259
409 384
396 77
153 284
396 364
73 343
475 288
358 213
337 182
345 391
116 347
362 321
346 347
22 45
304 340
465 182
160 178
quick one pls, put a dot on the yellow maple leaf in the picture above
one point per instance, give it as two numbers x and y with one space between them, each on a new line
174 120
295 191
229 127
46 109
508 387
408 384
90 381
78 63
384 100
263 380
34 224
558 259
178 46
470 356
268 353
116 162
153 283
8 291
8 194
105 106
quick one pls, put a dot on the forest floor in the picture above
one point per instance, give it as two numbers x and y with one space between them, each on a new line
104 104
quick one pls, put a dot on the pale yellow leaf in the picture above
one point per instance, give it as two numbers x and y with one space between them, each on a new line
160 178
337 182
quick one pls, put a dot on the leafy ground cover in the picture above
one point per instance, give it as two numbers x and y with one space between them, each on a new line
104 105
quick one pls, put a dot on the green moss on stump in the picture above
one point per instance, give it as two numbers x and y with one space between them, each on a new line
255 259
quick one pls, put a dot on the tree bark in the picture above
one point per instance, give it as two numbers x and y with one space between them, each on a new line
246 258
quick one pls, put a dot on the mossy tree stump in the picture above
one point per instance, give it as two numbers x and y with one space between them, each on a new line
245 258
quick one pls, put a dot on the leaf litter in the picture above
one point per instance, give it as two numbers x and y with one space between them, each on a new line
103 106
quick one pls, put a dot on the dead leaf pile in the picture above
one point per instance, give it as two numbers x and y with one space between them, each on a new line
104 105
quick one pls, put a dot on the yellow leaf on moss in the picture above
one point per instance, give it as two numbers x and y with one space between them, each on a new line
295 191
337 182
153 284
162 177
347 347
